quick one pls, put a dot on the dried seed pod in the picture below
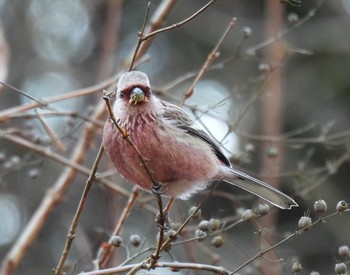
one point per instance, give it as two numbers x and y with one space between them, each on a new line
217 241
304 223
342 206
135 240
340 268
320 207
192 210
297 267
248 215
117 241
214 224
344 251
204 225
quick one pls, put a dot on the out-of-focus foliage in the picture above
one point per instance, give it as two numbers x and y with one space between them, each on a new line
54 47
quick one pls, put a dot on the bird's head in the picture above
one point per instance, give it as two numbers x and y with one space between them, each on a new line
133 88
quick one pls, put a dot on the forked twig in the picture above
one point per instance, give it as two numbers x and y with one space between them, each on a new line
140 35
179 24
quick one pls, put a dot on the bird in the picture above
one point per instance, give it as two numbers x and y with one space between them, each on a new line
182 158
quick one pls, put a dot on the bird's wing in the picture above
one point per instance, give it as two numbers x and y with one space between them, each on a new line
184 122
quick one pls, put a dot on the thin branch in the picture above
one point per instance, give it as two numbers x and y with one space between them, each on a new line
74 225
60 159
52 198
110 82
106 251
73 114
110 42
282 33
177 25
156 22
59 145
343 158
295 234
175 266
211 57
149 262
140 35
42 103
331 139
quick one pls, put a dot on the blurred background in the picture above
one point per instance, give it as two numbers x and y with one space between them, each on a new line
276 98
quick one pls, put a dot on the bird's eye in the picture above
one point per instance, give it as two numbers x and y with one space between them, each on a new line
121 95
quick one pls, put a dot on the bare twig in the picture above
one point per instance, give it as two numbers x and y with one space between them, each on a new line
175 266
149 262
42 103
5 115
336 164
107 249
74 225
52 198
9 135
211 57
140 35
176 25
294 235
330 139
59 145
105 70
156 21
282 33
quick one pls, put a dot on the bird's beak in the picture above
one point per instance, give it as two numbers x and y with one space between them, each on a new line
137 96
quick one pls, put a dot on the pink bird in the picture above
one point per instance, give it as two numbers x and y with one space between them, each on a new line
182 158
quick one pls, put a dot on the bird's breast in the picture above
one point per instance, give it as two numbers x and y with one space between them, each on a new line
175 158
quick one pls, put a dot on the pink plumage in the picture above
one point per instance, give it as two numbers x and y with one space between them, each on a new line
181 157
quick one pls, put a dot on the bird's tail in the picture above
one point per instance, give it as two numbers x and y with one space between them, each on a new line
257 187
